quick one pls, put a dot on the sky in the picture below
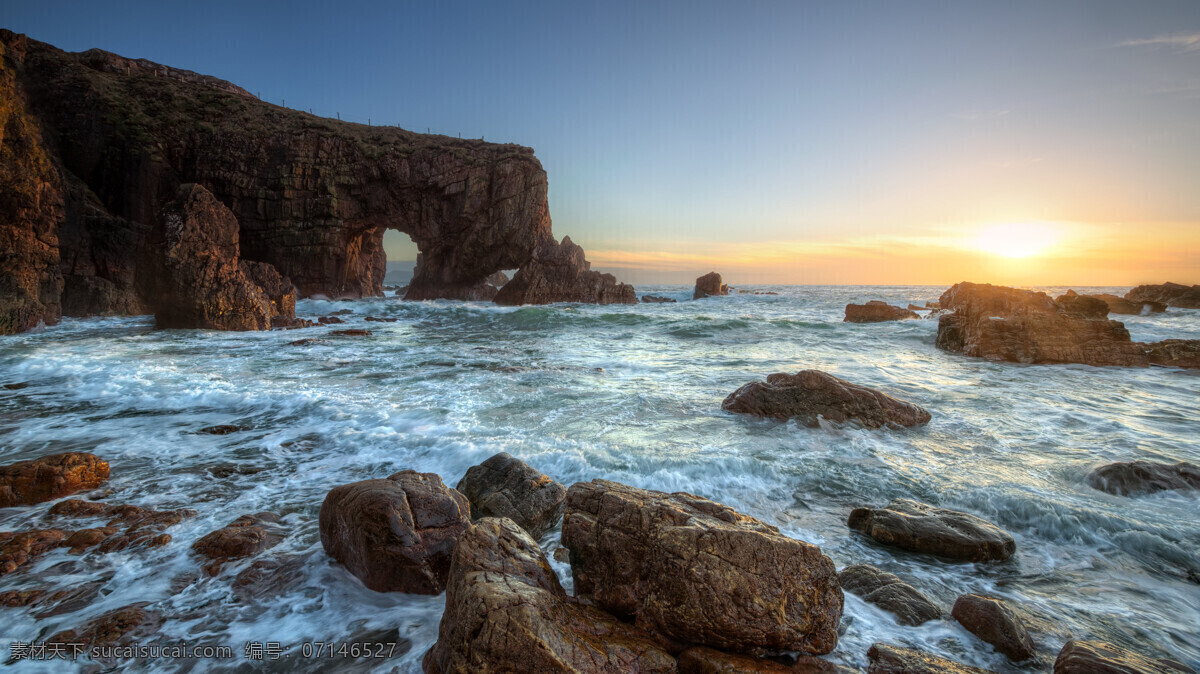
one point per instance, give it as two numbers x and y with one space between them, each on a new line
1025 143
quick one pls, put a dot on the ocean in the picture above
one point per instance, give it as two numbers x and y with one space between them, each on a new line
626 393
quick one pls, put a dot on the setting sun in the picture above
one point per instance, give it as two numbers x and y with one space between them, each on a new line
1016 240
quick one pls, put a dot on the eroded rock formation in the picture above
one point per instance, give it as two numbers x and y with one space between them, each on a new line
812 394
876 311
559 272
994 622
709 285
1170 294
886 659
243 537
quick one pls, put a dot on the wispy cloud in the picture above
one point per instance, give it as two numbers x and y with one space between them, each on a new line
1181 42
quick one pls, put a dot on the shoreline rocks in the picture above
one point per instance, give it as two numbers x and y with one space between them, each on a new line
709 285
243 537
876 311
812 394
49 477
994 622
887 659
1170 294
505 486
1120 305
656 299
888 592
1098 657
920 527
1134 478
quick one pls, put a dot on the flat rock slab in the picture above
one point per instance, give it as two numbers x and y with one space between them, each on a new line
994 622
812 394
505 486
888 592
920 527
887 659
686 568
1098 657
50 477
1144 477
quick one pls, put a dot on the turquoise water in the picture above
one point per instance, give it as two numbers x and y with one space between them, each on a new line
628 393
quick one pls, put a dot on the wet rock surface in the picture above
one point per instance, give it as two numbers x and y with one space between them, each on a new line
505 486
507 612
995 623
709 285
1175 353
559 272
920 527
1144 477
245 536
18 548
680 566
121 626
876 311
888 592
657 299
1170 294
886 659
395 534
704 660
1098 657
50 477
141 526
810 394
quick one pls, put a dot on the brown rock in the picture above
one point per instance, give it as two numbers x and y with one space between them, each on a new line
705 660
709 285
396 534
1175 353
279 290
1120 305
1098 657
504 486
914 307
1144 477
126 625
143 527
1081 306
18 548
887 659
376 319
50 477
329 320
269 578
810 394
223 429
353 332
888 592
920 527
656 299
1022 326
682 567
1170 294
245 536
994 622
506 612
559 272
876 312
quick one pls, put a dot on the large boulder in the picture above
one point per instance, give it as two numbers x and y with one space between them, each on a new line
506 612
505 486
1023 326
876 312
699 572
888 592
994 622
920 527
1170 294
50 477
559 272
709 285
887 659
395 534
1144 477
812 394
1098 657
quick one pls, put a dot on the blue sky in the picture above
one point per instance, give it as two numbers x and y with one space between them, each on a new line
855 142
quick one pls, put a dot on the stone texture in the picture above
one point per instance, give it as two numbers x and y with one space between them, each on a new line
1175 353
1120 305
876 312
920 527
50 477
245 536
1022 326
810 394
887 659
505 486
994 622
559 272
684 567
1170 294
1144 477
1098 657
888 592
506 612
395 534
709 285
18 548
125 625
269 578
142 526
656 299
705 660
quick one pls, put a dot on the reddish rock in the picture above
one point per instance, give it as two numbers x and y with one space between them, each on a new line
1175 353
705 660
1098 657
245 536
1170 294
329 320
920 527
682 567
505 486
126 625
709 285
396 534
506 612
876 312
223 429
1022 326
50 477
18 548
1144 477
888 592
812 394
994 622
559 272
887 659
142 526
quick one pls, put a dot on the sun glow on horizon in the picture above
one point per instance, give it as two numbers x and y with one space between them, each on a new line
1016 239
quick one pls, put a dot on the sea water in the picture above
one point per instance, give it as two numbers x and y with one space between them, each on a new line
626 393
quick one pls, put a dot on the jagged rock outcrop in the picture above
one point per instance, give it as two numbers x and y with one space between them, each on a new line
1098 657
507 612
505 486
1023 326
876 311
709 285
1170 294
888 592
50 477
920 527
812 394
1175 353
657 299
559 272
683 567
1144 477
994 622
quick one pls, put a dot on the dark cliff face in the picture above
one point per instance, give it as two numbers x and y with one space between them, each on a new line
96 144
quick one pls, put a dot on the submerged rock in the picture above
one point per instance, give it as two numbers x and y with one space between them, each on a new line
876 312
887 659
50 477
270 577
245 536
1098 657
353 332
920 527
682 566
506 612
395 534
223 429
657 299
125 625
143 526
1144 477
709 285
812 394
994 622
18 548
1170 294
888 592
559 272
505 486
